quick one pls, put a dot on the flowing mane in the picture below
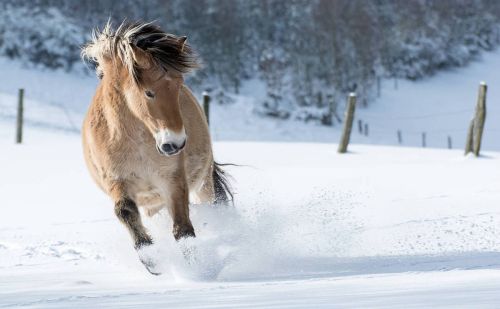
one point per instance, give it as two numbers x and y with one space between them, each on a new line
168 51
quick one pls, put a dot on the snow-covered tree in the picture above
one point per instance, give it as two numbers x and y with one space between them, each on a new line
304 50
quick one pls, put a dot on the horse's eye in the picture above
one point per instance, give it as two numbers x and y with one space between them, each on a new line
149 94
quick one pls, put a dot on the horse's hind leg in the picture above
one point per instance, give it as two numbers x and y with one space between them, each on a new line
205 193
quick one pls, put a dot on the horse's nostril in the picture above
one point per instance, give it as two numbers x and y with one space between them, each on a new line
171 148
168 148
182 145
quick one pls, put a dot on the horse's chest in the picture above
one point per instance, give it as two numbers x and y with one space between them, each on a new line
147 177
133 159
145 165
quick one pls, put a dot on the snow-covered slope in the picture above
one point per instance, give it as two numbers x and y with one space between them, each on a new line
377 227
53 99
441 106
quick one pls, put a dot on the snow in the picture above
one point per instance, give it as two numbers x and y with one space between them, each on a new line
380 226
46 37
440 106
377 227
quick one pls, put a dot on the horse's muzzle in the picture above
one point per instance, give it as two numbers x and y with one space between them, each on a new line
171 149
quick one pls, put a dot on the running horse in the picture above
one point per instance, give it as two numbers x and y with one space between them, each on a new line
146 141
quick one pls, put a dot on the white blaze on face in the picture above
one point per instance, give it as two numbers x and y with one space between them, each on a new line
167 136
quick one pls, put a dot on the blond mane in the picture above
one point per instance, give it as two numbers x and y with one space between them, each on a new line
168 51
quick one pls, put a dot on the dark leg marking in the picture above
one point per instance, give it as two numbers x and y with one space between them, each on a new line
126 210
183 230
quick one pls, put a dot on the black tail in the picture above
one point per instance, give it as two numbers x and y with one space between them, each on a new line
222 188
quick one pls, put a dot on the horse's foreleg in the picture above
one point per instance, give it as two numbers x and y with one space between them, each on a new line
127 212
178 201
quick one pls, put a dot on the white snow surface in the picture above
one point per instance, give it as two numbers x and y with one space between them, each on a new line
381 226
377 227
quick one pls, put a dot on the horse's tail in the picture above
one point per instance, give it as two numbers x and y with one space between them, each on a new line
222 187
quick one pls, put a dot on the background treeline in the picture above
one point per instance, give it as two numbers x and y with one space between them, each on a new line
307 53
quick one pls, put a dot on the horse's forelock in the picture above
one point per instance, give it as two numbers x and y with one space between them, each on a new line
167 51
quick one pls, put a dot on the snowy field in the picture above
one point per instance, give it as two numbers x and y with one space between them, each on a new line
441 106
382 226
378 227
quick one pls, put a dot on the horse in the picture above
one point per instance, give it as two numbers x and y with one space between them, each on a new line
146 140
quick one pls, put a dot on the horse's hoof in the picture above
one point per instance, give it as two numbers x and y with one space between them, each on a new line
143 242
147 254
182 231
150 266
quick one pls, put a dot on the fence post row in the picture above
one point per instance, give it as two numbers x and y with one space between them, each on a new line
349 117
476 126
19 120
206 106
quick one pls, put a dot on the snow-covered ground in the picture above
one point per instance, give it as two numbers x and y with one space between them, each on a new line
377 227
381 226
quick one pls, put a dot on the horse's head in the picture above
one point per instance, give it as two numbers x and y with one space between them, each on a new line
154 98
147 66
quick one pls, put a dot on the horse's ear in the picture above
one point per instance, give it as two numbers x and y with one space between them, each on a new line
182 42
141 58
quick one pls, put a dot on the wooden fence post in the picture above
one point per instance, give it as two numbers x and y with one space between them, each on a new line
480 118
450 145
349 117
470 137
424 139
206 106
476 126
400 137
19 122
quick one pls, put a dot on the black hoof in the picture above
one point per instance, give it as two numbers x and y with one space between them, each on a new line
142 243
182 231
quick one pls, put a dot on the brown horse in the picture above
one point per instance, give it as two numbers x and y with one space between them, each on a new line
145 138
